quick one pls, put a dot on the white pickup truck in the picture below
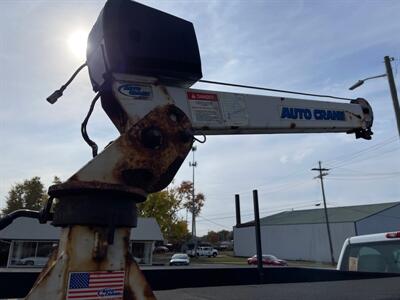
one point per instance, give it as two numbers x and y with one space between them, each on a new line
371 253
203 251
207 251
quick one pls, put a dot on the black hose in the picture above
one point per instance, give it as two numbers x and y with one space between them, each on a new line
85 135
58 93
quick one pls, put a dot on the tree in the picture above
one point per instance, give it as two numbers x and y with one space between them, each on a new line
30 194
56 180
225 235
179 232
185 193
212 237
164 207
215 238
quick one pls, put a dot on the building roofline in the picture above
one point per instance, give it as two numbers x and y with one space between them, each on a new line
251 223
378 212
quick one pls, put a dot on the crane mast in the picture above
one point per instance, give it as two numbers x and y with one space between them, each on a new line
143 63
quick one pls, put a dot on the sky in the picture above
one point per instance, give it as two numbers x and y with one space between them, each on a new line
311 46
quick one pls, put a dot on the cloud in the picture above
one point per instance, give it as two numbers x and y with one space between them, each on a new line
284 159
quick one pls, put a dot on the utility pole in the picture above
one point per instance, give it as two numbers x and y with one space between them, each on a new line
193 164
321 176
393 91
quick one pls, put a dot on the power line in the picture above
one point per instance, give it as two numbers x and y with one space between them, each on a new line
309 203
346 157
360 179
362 172
278 208
291 187
274 189
208 220
364 159
366 175
337 163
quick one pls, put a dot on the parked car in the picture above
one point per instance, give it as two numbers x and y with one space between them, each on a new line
267 259
378 252
33 261
206 251
161 249
179 259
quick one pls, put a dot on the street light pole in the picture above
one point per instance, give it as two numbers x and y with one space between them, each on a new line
392 86
393 90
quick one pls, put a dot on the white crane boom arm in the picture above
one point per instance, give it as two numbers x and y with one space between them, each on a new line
219 113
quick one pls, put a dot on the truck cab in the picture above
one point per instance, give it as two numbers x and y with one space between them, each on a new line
371 253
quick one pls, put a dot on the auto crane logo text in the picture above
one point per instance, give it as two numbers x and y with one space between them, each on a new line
107 292
312 114
136 91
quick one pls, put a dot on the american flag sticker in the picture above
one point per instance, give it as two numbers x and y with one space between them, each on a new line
96 285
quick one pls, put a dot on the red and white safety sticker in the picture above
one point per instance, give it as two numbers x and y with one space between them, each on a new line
202 96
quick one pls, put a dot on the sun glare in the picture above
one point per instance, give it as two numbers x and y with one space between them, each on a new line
77 43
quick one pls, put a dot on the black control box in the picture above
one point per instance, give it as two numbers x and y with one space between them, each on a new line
131 38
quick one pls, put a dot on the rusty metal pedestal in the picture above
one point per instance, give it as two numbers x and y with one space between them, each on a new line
86 249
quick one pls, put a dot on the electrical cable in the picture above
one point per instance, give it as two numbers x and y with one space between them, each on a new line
263 211
267 211
361 178
215 223
273 90
85 135
58 93
360 173
345 157
364 159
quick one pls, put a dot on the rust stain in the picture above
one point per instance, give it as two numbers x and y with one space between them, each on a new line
154 168
156 161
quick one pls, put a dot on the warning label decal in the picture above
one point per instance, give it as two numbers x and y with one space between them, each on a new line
204 108
234 110
202 96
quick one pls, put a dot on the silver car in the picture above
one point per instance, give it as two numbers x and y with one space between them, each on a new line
179 259
34 261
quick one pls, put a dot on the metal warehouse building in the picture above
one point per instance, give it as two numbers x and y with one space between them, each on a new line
302 234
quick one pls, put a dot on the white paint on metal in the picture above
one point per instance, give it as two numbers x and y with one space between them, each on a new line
213 112
75 255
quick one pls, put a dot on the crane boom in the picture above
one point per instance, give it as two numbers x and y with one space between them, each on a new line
219 113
